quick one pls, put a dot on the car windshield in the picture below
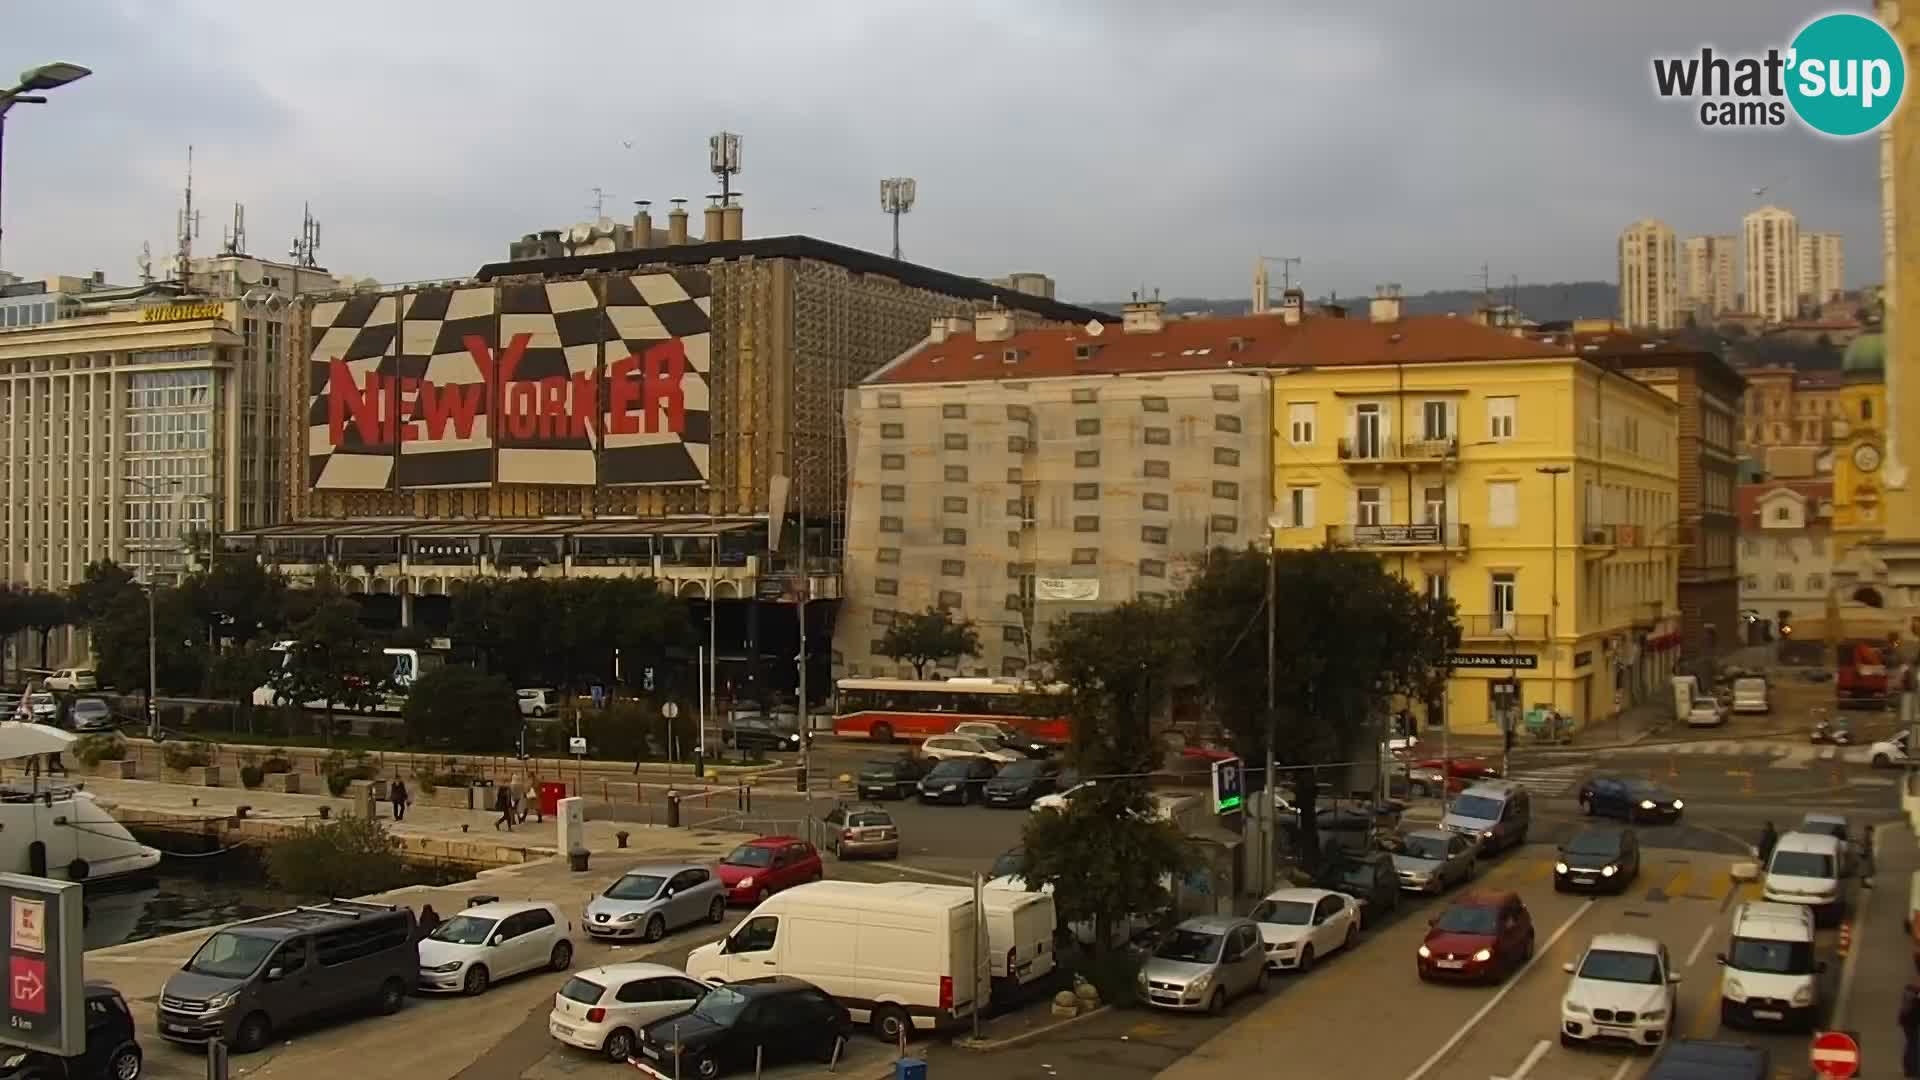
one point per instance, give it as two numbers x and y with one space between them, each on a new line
1010 864
1594 843
89 708
585 991
1611 965
1802 864
1357 874
721 1006
1642 790
463 930
1283 912
879 768
869 819
1771 957
950 769
1192 946
231 956
1470 919
1424 847
1022 770
749 855
1835 829
1478 807
635 887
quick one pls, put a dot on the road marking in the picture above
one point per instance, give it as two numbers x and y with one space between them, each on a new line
1506 988
1705 936
1622 1070
1681 882
1533 1058
1852 962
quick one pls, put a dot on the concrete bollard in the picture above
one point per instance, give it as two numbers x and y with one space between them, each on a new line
673 809
1066 1004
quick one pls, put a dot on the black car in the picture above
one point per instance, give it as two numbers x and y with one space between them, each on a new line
1009 863
786 1019
956 780
1599 857
1368 877
890 778
1022 782
112 1052
1629 798
761 733
1701 1059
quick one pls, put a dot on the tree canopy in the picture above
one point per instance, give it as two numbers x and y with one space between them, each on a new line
929 637
569 632
459 708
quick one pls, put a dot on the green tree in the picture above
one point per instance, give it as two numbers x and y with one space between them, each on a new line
102 584
333 660
238 600
1349 636
458 708
930 637
45 611
119 637
1108 855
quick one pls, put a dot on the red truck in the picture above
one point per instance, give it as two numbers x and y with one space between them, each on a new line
1861 672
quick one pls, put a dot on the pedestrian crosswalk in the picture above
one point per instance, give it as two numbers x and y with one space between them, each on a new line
1707 879
1781 755
1550 781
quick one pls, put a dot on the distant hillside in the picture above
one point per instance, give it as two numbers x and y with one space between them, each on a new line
1542 303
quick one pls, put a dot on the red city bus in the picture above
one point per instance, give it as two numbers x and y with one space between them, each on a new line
887 709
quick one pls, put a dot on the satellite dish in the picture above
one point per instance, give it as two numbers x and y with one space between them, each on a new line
601 246
580 234
1095 327
248 272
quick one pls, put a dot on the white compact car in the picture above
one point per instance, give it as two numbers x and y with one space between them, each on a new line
1622 991
945 747
466 953
603 1009
1890 752
1750 695
538 703
73 679
1300 926
1706 712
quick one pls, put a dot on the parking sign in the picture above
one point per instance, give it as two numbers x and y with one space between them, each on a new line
46 980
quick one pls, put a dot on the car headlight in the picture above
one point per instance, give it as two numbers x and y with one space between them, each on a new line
221 1001
1678 805
441 969
1483 955
15 1060
1609 870
746 882
1199 985
1425 953
1559 868
1646 804
793 738
1654 1014
1803 997
1574 1007
1486 834
1141 978
631 916
1732 990
951 787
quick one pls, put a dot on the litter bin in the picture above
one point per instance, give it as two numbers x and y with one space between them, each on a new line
910 1069
550 795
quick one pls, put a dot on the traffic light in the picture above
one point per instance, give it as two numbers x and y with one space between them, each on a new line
1786 630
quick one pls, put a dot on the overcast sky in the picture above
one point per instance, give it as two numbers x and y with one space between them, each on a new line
1110 143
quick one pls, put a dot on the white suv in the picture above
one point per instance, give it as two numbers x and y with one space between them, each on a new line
944 747
490 941
1622 990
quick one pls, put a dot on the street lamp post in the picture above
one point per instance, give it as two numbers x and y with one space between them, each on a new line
1554 473
153 652
44 77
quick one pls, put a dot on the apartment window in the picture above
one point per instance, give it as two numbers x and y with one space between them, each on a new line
1086 396
1086 523
1300 422
1752 582
889 400
1866 408
1085 556
893 493
1226 422
1816 582
1016 444
877 647
1158 436
953 537
1500 413
1013 635
892 525
1015 475
1087 426
1503 503
1013 538
1013 602
1156 469
1084 492
893 461
1505 596
1366 506
955 440
1153 534
1228 456
1783 581
953 412
1012 666
1223 525
1086 459
1016 508
1154 500
882 617
887 586
1018 570
949 600
1226 489
1300 507
954 504
1436 587
956 474
1019 412
1153 404
893 431
1153 568
1434 413
888 556
1781 513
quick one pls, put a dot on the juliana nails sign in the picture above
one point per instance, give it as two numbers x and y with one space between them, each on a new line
182 312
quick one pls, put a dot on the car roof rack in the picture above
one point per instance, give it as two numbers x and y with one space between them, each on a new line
351 909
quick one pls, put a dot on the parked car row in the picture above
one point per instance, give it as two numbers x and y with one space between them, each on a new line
958 777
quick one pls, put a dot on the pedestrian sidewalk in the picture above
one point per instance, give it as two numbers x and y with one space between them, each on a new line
1631 726
1881 962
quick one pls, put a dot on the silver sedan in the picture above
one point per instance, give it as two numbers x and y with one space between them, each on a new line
648 901
1431 860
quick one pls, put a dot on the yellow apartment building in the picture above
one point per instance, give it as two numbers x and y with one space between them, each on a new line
1540 492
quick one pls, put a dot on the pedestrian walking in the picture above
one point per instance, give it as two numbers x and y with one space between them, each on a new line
429 920
519 789
397 791
55 764
503 805
1768 837
1910 1028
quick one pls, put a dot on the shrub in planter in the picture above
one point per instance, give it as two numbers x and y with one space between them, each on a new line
341 769
251 776
194 753
346 857
276 763
91 750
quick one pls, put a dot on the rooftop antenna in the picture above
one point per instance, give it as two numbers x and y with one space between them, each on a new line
723 161
145 263
600 197
187 226
896 198
1287 263
234 241
305 249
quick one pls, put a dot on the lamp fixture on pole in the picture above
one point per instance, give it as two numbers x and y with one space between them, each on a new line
44 77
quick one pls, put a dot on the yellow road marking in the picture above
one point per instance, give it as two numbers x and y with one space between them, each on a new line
1149 1030
1681 882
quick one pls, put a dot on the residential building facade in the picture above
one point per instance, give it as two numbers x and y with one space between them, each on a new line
1710 283
1649 276
1822 268
30 303
1771 237
1786 550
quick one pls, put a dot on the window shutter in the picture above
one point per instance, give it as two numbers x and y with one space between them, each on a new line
1307 516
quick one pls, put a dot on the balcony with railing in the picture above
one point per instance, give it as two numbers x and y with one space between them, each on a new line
1386 450
1503 627
1448 537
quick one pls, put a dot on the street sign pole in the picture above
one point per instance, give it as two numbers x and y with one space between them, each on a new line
46 978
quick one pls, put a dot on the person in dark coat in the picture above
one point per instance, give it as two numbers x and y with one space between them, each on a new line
1768 838
1910 1028
397 791
503 805
429 920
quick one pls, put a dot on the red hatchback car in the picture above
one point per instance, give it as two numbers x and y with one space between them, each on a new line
1484 935
759 868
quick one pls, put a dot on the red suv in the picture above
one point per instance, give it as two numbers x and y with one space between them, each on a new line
1484 935
759 868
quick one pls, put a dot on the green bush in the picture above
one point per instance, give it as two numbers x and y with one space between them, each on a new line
189 754
251 776
276 763
94 749
342 768
347 857
445 773
458 708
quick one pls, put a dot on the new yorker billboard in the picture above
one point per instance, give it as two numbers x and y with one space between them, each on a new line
571 383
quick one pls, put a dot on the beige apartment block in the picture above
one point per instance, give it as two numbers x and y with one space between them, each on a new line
1649 276
1772 239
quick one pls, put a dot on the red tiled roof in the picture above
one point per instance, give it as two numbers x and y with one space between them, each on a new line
1629 349
1263 341
1814 491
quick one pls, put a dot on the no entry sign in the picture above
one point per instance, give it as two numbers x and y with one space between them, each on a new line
1835 1053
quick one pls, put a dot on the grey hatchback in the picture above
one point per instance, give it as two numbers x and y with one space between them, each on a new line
648 901
1203 963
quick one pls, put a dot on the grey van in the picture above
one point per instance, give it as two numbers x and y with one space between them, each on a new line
255 977
1496 812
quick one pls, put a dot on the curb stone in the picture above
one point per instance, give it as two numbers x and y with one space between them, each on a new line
989 1045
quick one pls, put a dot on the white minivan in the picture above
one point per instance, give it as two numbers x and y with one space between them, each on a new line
1809 869
1750 695
896 954
1771 977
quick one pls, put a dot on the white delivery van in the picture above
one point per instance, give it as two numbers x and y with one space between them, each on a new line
896 954
1771 977
1809 869
1750 695
1020 927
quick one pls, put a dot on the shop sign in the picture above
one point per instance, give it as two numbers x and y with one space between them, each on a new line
1520 661
182 312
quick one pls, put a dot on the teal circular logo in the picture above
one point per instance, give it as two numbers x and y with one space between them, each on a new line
1845 74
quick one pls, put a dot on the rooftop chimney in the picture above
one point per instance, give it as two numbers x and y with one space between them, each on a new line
1144 316
734 223
1293 304
945 326
677 223
1386 304
994 325
715 219
643 224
